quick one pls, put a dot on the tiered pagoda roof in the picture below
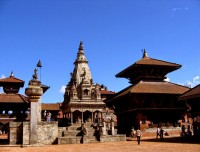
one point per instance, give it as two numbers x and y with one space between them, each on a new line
11 84
148 68
147 76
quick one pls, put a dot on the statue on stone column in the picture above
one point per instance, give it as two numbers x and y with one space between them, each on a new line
35 75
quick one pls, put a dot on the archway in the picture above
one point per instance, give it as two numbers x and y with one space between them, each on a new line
87 116
77 116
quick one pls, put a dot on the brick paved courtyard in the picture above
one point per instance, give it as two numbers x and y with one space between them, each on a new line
147 145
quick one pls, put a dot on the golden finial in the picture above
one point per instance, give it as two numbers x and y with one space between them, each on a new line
145 55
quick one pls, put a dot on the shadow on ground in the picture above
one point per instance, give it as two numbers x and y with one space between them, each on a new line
191 140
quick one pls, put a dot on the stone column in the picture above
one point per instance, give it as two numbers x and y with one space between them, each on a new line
104 128
82 117
112 128
71 117
34 93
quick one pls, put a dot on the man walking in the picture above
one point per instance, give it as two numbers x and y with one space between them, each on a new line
138 134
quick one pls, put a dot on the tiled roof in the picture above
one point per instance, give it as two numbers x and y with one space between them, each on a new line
106 92
148 87
13 98
151 61
146 61
51 106
192 93
11 79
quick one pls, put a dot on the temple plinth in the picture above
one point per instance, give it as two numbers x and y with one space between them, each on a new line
34 93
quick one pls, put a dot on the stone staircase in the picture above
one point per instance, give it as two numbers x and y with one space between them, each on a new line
72 135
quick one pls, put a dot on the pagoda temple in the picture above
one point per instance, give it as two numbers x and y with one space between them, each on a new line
82 98
13 105
150 101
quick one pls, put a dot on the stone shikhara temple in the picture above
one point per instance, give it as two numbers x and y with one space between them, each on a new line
82 99
83 104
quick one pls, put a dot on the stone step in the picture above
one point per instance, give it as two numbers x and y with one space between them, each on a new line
72 140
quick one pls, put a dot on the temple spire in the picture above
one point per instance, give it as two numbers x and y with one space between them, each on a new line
81 46
81 70
145 55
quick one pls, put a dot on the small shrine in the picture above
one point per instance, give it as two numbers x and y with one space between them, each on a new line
13 105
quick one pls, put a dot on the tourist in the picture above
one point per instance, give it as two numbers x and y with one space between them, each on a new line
161 133
158 132
48 116
45 115
83 132
133 132
138 134
97 133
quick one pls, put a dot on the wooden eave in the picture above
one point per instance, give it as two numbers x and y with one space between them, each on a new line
13 98
191 94
11 80
148 62
150 87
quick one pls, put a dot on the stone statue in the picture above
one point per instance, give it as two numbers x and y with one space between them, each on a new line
35 75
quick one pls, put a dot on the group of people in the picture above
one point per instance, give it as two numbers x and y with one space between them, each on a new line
186 132
47 116
160 132
136 134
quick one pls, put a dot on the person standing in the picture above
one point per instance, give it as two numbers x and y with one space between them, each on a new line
48 116
158 132
83 132
161 133
133 132
138 134
45 115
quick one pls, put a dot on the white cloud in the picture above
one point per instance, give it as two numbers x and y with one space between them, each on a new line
176 9
180 9
167 79
62 89
195 81
2 76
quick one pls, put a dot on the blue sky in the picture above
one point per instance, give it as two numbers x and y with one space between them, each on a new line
113 35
